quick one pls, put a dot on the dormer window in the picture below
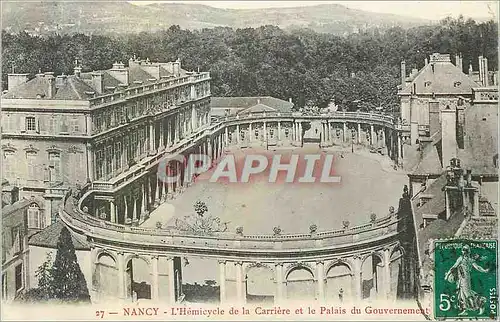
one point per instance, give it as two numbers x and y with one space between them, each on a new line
427 84
457 84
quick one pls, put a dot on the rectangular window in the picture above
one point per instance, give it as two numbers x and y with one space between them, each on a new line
17 239
31 163
52 125
54 166
99 164
9 164
19 277
118 156
30 123
35 218
109 160
75 127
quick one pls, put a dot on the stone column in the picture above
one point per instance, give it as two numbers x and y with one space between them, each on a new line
320 273
279 130
90 162
279 283
372 135
359 133
171 280
399 147
265 131
387 274
151 136
300 133
238 136
162 144
250 139
112 211
240 294
383 137
176 127
357 278
476 203
134 213
122 289
155 287
144 200
344 133
157 190
222 281
226 136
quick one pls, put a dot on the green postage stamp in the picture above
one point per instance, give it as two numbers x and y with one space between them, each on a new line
465 279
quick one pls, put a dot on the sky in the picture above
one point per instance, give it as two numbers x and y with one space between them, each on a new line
433 10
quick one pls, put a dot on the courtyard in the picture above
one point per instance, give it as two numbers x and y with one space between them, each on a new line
368 185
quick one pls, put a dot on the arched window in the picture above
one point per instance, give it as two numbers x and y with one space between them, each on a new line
35 218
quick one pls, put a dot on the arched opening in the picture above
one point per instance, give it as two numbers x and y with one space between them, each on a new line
260 285
397 277
106 276
139 277
339 283
371 276
300 284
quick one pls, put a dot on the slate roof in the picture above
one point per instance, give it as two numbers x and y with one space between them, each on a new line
265 102
438 228
429 162
441 77
74 88
49 236
7 210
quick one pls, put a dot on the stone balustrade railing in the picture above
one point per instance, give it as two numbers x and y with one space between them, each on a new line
344 116
160 85
377 230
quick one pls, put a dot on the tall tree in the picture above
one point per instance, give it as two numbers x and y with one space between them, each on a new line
68 283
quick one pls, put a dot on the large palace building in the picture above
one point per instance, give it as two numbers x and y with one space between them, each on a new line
59 131
90 147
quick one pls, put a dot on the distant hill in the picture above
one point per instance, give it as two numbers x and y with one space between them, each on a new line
123 17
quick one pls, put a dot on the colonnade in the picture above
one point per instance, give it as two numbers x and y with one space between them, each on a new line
114 275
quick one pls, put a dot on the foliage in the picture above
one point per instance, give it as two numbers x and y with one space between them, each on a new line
358 71
200 208
67 280
61 279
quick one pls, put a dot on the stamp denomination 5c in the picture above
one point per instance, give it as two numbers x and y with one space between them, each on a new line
465 279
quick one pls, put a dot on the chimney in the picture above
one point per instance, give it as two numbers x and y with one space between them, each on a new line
485 72
448 135
403 73
51 92
97 83
77 71
434 124
457 60
461 62
120 73
481 70
15 80
177 68
426 61
61 81
290 100
470 70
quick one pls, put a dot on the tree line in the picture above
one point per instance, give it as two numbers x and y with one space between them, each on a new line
356 71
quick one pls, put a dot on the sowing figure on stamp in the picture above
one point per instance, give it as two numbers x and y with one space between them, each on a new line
460 273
